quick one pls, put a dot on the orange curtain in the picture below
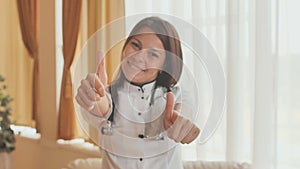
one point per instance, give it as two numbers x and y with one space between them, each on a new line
28 17
71 20
95 15
100 13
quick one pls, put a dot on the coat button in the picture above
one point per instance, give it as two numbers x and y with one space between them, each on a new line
141 136
139 113
141 159
142 97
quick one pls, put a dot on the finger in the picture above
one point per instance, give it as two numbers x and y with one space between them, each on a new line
100 89
179 129
82 95
192 135
101 68
174 130
101 73
99 57
169 108
96 84
90 91
85 84
184 127
83 104
93 108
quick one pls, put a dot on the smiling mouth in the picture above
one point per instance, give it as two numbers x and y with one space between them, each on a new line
136 67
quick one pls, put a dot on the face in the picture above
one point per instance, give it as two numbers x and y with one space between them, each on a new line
143 57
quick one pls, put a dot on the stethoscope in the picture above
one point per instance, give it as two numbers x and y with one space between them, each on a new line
108 130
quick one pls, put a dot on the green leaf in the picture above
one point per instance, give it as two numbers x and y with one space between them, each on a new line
7 138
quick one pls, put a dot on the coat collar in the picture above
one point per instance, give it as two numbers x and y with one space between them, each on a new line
145 88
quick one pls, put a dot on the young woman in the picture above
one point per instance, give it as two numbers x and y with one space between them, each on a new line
144 101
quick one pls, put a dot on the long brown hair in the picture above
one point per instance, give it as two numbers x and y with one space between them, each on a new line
168 35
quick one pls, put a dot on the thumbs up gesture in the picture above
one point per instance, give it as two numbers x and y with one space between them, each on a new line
179 128
91 94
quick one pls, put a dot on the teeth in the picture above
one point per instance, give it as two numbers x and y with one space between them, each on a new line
136 67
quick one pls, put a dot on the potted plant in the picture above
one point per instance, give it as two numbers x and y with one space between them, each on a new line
7 139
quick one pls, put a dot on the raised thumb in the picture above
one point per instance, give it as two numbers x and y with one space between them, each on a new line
101 73
169 110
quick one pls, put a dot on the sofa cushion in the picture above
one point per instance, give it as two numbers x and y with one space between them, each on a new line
95 163
214 165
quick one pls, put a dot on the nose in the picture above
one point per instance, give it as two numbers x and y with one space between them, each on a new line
141 57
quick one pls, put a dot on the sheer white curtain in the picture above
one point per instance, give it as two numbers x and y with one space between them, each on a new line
257 45
288 107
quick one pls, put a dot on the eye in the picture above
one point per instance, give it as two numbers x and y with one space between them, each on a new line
154 54
136 45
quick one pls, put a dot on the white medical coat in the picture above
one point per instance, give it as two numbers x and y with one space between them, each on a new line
135 120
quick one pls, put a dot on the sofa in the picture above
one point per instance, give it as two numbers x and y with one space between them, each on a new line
94 163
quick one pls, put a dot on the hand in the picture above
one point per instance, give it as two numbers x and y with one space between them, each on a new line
91 93
178 128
